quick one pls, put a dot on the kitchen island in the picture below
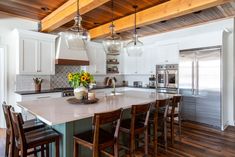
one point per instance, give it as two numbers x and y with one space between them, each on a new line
70 119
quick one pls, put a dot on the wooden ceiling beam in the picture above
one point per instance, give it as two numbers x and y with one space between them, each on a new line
164 11
66 13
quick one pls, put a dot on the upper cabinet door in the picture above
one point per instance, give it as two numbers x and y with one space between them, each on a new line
28 50
130 64
100 60
35 53
168 54
46 58
97 59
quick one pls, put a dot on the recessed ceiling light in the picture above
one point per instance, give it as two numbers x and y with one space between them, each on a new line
197 12
164 21
45 9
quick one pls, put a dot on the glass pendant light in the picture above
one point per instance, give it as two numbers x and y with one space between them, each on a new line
77 32
113 43
134 47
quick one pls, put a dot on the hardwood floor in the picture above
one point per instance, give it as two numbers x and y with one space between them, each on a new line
196 141
2 142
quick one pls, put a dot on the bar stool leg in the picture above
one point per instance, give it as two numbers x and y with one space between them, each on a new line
115 149
47 150
155 139
42 151
7 144
75 149
132 145
172 130
146 143
165 134
57 147
180 125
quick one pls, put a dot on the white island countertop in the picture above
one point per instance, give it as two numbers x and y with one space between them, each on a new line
58 110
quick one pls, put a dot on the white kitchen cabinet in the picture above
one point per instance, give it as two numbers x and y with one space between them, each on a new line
97 59
167 54
35 52
153 54
129 64
150 58
31 97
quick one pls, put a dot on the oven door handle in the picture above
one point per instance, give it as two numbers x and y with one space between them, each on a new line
166 79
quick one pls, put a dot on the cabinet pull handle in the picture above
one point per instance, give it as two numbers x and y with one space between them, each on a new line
43 97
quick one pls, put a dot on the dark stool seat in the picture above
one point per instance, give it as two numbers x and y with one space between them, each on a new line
40 135
99 139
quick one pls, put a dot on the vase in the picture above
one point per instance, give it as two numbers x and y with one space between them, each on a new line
80 92
38 87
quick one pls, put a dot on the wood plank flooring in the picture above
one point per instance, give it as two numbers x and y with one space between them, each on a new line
197 140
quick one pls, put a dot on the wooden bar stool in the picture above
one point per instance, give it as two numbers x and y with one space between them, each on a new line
174 112
98 139
36 139
158 122
135 127
28 126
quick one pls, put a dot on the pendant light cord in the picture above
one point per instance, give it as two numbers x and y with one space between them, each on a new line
78 12
112 25
135 31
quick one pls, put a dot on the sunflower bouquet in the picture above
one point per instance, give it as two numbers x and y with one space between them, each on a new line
79 79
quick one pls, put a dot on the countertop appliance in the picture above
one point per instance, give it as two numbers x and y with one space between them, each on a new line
167 78
66 91
137 84
200 84
152 81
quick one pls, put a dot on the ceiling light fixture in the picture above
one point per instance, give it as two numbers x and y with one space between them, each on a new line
134 47
77 32
113 43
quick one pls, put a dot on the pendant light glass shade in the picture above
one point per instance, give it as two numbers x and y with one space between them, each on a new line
77 32
134 47
113 43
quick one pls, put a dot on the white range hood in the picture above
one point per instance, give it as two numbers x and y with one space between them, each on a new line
73 53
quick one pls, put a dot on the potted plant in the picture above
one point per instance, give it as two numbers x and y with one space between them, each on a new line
37 84
80 81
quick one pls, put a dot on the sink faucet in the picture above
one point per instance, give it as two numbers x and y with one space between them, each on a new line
113 79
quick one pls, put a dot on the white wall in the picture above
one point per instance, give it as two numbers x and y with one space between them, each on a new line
203 36
7 24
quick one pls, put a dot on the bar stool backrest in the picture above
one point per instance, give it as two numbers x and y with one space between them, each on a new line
7 115
17 122
137 111
101 119
176 103
161 104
